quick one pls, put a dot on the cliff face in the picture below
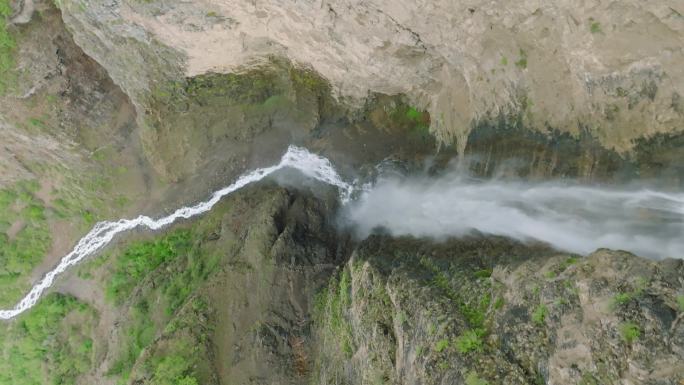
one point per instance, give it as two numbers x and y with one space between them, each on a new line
608 69
265 290
490 311
122 107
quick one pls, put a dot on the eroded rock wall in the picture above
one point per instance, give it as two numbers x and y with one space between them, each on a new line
611 69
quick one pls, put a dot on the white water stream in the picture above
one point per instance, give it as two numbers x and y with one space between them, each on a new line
309 164
573 218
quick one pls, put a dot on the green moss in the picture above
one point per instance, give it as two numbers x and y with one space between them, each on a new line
539 315
629 332
474 310
411 118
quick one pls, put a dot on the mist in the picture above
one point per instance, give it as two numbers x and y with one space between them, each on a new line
573 218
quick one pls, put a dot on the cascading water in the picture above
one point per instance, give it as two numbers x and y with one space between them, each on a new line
573 218
309 164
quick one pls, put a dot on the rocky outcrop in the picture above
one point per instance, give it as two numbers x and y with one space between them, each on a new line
491 311
607 69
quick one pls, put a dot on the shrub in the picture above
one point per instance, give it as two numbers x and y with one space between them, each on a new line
630 332
473 379
539 315
441 345
469 341
522 60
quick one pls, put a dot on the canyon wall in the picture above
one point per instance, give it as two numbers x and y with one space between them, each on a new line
610 69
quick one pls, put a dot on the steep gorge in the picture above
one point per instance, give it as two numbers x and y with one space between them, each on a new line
123 107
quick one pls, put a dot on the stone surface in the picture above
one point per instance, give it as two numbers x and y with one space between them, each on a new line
609 68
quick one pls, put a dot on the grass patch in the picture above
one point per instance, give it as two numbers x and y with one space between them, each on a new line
7 49
441 345
139 335
330 307
470 341
473 379
680 303
484 273
629 332
595 27
24 237
625 297
49 344
141 258
522 59
540 314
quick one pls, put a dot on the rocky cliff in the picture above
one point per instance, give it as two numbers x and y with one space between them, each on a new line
608 69
120 107
265 290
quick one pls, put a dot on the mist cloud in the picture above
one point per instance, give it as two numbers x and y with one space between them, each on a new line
573 218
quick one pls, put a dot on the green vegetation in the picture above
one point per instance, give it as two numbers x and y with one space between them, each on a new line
474 310
24 236
49 344
174 264
680 303
626 297
141 258
473 379
629 332
7 48
522 60
504 61
595 27
410 118
469 341
139 335
484 273
441 345
539 315
173 369
330 309
622 298
568 262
